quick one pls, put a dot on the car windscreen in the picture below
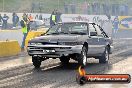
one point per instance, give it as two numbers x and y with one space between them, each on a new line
68 28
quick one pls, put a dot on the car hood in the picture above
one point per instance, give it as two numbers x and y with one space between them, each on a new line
56 38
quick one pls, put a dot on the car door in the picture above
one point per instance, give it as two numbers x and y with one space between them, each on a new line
102 39
95 41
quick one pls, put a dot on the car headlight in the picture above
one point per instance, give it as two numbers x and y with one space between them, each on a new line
34 43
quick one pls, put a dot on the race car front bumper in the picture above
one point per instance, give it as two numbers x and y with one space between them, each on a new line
53 50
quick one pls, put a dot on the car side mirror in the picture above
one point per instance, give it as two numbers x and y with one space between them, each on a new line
93 33
42 34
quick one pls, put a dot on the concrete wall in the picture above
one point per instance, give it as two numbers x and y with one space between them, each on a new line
11 35
9 48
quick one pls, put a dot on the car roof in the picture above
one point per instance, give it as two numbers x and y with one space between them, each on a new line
77 22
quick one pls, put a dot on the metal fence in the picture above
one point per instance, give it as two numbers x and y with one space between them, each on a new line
83 7
90 7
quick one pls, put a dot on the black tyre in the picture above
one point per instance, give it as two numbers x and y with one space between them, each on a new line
36 62
83 57
64 60
81 80
105 56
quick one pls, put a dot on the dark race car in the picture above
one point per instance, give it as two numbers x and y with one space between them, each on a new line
71 40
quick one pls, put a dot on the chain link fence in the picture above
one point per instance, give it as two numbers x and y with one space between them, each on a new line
83 7
90 7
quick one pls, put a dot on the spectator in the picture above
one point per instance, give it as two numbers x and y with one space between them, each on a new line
107 26
32 7
122 10
58 16
25 17
23 23
30 18
113 9
40 17
15 19
0 20
85 7
108 16
115 25
117 9
66 8
73 8
30 21
98 8
106 9
36 17
93 8
53 19
126 9
40 7
5 19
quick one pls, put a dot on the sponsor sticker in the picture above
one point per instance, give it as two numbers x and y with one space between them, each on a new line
82 77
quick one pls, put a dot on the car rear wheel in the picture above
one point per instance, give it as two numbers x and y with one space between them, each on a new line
64 60
36 62
105 56
83 57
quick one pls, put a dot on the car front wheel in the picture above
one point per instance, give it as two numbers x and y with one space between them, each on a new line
64 60
36 62
105 56
83 57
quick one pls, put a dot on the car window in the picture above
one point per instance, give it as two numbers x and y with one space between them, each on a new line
80 28
99 32
69 28
53 29
92 30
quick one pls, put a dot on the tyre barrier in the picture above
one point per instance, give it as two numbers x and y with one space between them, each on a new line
32 35
9 48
